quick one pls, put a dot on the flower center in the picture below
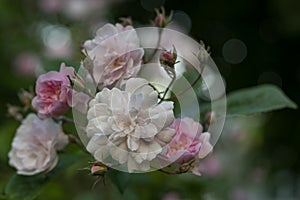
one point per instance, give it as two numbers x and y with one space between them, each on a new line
125 123
52 91
120 61
176 146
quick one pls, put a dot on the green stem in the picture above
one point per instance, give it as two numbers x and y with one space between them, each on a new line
157 45
75 140
173 97
170 84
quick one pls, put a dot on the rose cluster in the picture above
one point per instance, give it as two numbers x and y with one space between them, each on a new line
128 123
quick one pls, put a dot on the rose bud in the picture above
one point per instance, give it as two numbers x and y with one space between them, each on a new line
161 19
168 57
98 170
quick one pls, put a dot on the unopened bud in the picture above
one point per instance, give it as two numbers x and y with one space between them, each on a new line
98 170
204 52
15 112
161 20
25 97
168 58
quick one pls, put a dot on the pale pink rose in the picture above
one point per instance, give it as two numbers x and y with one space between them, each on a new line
27 64
185 144
188 143
205 149
53 92
129 126
35 144
80 101
116 54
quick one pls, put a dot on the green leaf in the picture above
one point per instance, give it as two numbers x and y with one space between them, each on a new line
258 99
187 94
2 196
24 187
120 179
29 187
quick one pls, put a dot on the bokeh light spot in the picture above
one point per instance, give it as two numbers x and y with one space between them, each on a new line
56 36
234 51
181 22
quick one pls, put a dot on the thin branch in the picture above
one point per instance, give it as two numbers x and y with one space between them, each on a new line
170 84
168 172
173 97
155 89
157 45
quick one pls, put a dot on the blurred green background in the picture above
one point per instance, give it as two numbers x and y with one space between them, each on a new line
252 42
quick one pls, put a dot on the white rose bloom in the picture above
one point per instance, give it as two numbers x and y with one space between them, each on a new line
115 52
129 127
34 145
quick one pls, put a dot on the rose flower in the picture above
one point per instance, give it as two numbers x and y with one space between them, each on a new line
35 144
